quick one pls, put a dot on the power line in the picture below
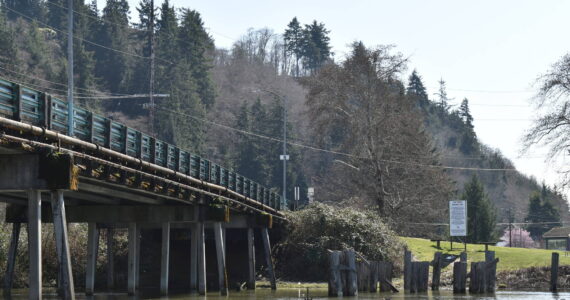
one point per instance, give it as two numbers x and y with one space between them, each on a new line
332 151
84 40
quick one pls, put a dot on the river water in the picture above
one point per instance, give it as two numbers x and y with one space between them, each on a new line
315 294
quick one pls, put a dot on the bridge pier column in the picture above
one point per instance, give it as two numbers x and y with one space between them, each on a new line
110 258
221 257
138 258
194 240
133 260
35 244
62 245
12 252
251 259
165 260
267 248
201 259
92 247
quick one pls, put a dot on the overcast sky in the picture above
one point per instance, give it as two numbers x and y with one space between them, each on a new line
488 51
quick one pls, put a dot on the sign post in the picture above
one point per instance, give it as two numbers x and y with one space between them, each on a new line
458 219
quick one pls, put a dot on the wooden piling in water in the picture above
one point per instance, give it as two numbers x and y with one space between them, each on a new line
554 272
351 279
436 274
363 270
335 281
385 276
491 271
407 270
459 277
373 277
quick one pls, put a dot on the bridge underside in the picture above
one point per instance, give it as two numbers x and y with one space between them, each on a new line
109 194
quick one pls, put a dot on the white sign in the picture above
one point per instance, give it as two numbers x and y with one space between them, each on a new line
286 157
458 218
311 194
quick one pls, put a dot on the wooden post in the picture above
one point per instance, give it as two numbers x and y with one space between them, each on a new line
201 260
335 282
459 277
194 239
407 270
352 284
414 277
110 258
267 248
10 265
92 247
491 271
554 272
385 276
463 257
363 276
35 244
436 271
423 276
373 277
165 258
221 257
132 268
251 259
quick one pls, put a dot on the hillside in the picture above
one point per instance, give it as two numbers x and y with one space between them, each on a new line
227 104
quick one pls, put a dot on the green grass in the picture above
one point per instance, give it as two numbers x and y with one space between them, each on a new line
509 258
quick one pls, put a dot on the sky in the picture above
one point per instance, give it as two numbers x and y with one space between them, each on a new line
491 52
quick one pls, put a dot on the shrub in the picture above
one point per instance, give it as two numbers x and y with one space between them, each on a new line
303 255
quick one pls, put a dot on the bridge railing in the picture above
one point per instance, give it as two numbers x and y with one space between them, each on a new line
27 105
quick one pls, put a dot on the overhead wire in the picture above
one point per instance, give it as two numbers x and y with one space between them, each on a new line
331 151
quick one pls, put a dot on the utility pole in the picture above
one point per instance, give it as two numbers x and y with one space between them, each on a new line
285 156
151 84
510 234
70 115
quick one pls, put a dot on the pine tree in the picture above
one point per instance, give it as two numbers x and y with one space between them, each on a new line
316 48
442 100
542 215
416 89
293 39
468 141
480 213
195 47
31 8
113 66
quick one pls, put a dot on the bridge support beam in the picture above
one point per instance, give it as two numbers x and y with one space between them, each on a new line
92 247
251 259
194 240
35 244
62 244
201 259
267 248
132 268
110 258
221 257
138 258
10 265
165 260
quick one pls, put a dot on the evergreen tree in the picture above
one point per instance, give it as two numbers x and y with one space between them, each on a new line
468 141
293 39
442 101
316 48
416 89
196 45
114 67
542 215
480 213
31 8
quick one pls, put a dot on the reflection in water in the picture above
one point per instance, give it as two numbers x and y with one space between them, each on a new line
315 294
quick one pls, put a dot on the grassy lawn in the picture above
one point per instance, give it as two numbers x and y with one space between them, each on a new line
509 258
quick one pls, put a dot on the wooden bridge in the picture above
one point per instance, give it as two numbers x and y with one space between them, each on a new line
111 176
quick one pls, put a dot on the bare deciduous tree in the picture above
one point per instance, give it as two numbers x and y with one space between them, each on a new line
552 127
360 108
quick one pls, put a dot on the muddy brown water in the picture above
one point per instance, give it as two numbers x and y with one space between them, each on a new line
315 294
